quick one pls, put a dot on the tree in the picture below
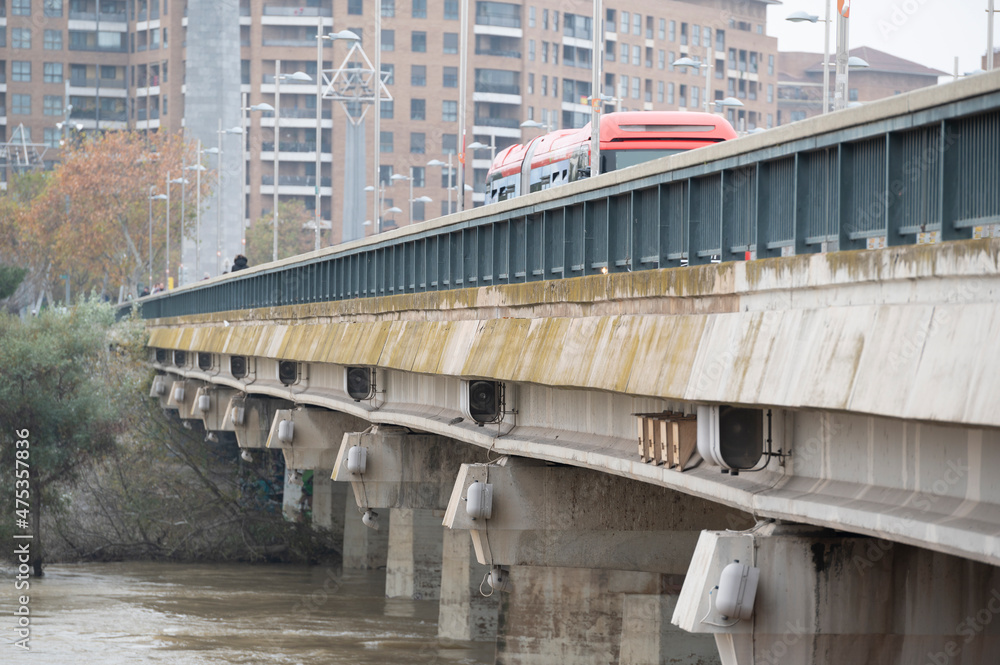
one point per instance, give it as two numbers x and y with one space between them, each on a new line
293 238
92 221
17 265
59 387
10 279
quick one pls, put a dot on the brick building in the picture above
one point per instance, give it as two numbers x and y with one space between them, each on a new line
170 65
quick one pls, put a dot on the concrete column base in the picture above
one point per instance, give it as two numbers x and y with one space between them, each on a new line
463 612
413 564
648 637
329 507
569 616
364 548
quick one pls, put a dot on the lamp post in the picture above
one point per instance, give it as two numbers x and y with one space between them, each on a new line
197 168
597 50
278 78
438 162
166 262
218 192
989 35
399 177
799 17
476 145
243 177
463 92
152 197
690 62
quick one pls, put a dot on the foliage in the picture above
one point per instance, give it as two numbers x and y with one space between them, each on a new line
10 279
293 238
92 218
59 381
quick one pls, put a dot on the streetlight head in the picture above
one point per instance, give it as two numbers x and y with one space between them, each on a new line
178 181
369 188
729 101
476 145
297 76
394 209
233 130
437 162
263 106
854 62
368 222
344 34
159 197
398 176
195 167
211 151
532 123
423 199
686 62
799 17
79 126
59 125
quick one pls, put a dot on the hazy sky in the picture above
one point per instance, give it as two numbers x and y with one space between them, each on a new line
931 32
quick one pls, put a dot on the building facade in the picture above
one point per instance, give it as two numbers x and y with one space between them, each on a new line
169 65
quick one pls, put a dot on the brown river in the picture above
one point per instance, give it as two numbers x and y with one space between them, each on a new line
207 614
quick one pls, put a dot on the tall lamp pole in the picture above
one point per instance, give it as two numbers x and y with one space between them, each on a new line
197 168
840 92
182 182
463 93
278 78
595 90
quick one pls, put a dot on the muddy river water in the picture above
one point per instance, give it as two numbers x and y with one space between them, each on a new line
200 614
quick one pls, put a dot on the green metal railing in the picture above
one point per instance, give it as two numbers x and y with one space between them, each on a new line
934 170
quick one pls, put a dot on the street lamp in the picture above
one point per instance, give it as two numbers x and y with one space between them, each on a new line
152 197
799 17
419 199
690 62
197 168
244 109
218 193
166 262
379 204
534 124
332 37
476 145
399 177
278 78
438 162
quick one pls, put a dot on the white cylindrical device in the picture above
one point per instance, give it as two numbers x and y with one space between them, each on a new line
286 431
357 460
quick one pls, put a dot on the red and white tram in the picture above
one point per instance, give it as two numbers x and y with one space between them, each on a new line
627 138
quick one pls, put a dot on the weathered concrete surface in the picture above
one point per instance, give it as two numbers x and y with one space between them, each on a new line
755 332
648 637
328 508
575 518
185 407
363 547
413 563
570 616
404 470
258 414
464 613
825 598
317 435
219 397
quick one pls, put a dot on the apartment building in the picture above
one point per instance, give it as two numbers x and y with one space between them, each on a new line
171 65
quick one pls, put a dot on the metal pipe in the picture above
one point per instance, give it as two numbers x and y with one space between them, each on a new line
377 184
597 35
319 127
277 137
826 60
463 93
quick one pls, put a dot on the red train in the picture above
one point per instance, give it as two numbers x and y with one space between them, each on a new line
627 138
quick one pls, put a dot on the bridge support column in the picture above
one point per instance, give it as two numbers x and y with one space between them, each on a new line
214 418
364 548
824 599
252 418
464 613
648 637
413 566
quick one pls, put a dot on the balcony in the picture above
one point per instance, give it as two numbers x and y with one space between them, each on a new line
498 21
293 146
498 88
295 43
141 114
498 52
102 17
297 113
271 10
485 121
78 82
295 181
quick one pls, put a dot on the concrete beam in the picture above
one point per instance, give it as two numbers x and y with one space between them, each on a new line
214 419
316 433
403 470
825 598
255 417
182 397
570 517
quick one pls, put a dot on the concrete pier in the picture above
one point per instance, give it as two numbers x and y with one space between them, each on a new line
413 566
464 612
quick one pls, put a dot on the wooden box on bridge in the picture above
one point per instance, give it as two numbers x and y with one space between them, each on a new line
667 438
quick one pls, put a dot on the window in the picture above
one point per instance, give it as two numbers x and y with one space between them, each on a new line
449 111
448 204
20 8
384 174
417 173
418 41
385 142
659 91
531 50
418 109
531 84
624 24
555 86
53 7
418 142
545 19
52 137
355 7
388 8
20 70
770 93
531 17
770 65
545 85
545 51
670 93
20 38
609 51
451 10
21 104
623 86
852 94
661 61
662 32
419 9
720 40
52 105
637 24
388 73
673 31
636 82
695 35
387 109
636 56
418 211
694 96
388 40
418 75
53 72
706 36
449 77
450 40
624 57
3 36
610 21
449 145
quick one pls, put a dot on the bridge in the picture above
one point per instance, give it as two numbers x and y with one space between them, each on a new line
737 405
